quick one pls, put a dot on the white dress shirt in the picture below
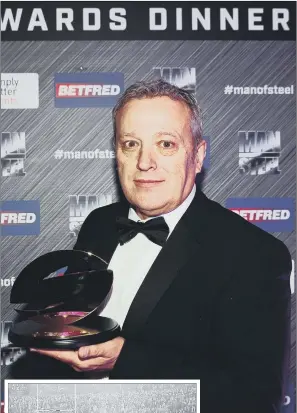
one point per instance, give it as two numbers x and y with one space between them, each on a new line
131 262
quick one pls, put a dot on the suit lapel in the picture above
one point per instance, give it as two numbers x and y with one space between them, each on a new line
181 246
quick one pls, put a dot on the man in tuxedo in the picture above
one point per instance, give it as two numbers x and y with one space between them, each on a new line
200 292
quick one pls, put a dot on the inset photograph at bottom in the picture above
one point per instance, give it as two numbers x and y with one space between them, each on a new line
90 396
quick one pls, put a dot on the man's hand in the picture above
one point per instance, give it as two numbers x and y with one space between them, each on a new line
101 357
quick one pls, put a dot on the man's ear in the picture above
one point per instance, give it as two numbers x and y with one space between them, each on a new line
200 155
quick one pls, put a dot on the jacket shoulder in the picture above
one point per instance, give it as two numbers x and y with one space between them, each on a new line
101 218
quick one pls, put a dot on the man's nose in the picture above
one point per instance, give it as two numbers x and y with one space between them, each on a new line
146 160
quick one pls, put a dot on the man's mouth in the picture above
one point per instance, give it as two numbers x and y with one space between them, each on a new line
147 183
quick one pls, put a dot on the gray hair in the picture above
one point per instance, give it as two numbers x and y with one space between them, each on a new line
157 88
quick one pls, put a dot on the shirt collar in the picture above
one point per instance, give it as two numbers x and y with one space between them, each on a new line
171 217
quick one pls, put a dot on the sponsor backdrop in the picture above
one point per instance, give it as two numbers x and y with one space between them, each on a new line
57 156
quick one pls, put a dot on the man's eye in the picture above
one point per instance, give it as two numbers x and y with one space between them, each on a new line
167 144
130 144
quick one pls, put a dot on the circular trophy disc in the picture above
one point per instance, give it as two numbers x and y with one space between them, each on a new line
56 333
61 291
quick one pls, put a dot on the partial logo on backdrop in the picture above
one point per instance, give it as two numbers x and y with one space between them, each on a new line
289 403
206 163
20 218
7 282
80 206
19 90
270 214
259 152
13 153
292 278
184 77
9 355
87 90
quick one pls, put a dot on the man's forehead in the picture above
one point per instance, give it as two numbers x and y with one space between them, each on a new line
133 134
160 101
174 117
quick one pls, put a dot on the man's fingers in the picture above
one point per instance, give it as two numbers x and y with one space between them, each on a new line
95 350
51 353
71 358
87 352
96 357
61 355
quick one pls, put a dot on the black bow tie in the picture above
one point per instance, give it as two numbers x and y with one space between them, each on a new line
155 229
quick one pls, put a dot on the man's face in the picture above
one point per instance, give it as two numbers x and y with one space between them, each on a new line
156 156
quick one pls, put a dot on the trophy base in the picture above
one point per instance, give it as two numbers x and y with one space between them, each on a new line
54 336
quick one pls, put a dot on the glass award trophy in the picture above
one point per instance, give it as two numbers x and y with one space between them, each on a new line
58 295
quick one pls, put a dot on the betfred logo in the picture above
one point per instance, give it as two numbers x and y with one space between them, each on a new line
270 214
85 91
259 215
20 218
76 90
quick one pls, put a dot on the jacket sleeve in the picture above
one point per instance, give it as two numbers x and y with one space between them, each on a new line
251 338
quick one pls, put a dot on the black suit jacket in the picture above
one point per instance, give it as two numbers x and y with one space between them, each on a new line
214 306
